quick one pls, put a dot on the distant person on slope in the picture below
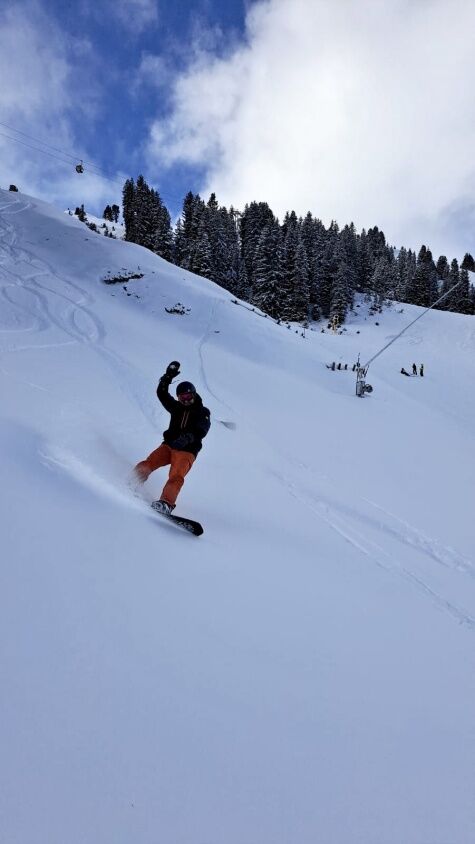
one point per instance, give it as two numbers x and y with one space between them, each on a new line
414 369
403 372
421 370
189 423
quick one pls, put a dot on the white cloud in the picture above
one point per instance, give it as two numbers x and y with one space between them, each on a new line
356 110
38 91
33 67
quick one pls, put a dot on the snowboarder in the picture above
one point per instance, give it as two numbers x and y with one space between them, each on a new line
189 423
403 372
414 369
421 370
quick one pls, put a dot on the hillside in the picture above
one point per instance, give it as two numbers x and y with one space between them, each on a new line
305 670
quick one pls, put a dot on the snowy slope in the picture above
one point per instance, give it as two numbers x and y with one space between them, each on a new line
305 670
105 227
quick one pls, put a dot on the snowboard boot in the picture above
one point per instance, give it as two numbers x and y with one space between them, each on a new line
162 506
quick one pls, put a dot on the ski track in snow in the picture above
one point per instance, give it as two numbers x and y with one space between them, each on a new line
70 312
204 376
433 548
204 339
341 519
66 312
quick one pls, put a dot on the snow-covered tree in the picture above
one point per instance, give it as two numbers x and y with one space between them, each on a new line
461 298
468 263
452 279
255 217
267 289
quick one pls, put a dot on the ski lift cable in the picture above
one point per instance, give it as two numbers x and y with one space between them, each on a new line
366 366
57 157
73 157
39 141
89 165
45 152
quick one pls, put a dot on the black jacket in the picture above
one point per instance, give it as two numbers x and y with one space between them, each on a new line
188 423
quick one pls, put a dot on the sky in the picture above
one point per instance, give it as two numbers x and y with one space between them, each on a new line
358 111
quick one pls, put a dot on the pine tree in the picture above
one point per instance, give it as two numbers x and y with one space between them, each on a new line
179 245
228 251
143 213
223 242
147 221
349 244
253 220
300 285
290 235
203 259
192 216
442 268
340 293
129 210
383 281
244 288
328 270
312 232
472 299
443 273
185 235
160 223
376 244
452 279
411 267
267 292
461 299
402 275
424 288
468 263
363 264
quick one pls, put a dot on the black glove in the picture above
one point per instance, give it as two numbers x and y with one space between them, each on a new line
173 369
182 441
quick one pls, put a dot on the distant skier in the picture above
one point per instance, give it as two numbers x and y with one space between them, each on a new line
403 372
189 423
414 369
421 370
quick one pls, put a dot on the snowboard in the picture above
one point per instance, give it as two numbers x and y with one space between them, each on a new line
181 521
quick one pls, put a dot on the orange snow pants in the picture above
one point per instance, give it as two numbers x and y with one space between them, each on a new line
180 463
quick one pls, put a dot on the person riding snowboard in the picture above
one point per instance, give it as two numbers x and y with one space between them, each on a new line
189 423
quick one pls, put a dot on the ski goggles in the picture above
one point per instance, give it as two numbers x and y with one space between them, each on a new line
186 398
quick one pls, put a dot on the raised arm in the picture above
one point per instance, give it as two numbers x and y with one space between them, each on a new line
172 370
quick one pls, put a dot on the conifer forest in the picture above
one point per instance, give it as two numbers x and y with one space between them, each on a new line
294 270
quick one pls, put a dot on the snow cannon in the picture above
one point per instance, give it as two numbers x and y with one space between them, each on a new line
361 386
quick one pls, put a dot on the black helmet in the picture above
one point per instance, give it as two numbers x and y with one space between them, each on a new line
186 392
185 387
